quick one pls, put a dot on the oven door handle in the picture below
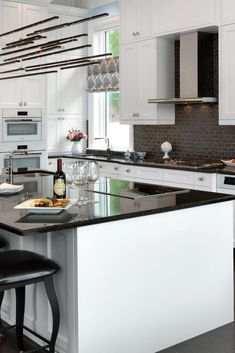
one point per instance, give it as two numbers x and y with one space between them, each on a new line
21 121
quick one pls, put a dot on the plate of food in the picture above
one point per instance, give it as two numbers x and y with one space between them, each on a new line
230 163
45 205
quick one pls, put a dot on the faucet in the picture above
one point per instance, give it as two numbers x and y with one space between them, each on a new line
107 141
10 165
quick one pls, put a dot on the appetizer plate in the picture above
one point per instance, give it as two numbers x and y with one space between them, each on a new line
27 206
229 163
10 189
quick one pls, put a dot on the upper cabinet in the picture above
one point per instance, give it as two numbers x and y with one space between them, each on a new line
173 16
227 75
14 15
136 20
227 11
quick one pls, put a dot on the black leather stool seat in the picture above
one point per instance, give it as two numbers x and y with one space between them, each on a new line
19 265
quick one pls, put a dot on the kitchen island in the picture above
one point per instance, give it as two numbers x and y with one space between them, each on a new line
139 273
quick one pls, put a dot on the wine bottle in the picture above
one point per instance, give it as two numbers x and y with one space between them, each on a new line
59 182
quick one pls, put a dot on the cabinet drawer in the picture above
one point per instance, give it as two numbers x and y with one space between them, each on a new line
110 168
127 172
154 174
178 178
204 181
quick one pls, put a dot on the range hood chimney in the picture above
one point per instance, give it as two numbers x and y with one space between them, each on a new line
196 70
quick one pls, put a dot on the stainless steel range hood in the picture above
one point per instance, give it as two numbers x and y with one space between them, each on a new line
196 71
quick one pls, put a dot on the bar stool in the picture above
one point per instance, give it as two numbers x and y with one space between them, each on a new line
19 268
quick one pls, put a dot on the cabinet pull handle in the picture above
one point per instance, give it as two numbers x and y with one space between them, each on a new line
201 179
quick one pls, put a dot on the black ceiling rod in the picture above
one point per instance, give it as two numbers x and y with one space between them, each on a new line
65 38
12 62
27 75
42 46
73 60
66 24
57 52
14 70
40 67
31 25
22 40
33 53
74 66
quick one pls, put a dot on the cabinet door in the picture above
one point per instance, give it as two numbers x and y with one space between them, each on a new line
31 14
129 82
227 11
147 76
72 89
53 133
34 90
11 18
128 13
174 16
227 75
144 19
10 90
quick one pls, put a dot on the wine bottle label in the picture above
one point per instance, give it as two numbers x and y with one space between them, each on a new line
59 187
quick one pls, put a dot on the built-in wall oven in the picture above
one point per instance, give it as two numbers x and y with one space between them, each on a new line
23 128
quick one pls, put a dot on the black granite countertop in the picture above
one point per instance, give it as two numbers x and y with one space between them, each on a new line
113 200
145 163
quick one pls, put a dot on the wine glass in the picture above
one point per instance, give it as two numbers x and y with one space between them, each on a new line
80 171
92 174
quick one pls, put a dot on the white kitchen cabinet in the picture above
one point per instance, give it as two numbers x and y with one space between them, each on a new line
227 11
66 90
15 15
143 75
136 20
111 170
204 181
227 75
67 15
177 178
57 127
27 92
173 16
151 175
127 172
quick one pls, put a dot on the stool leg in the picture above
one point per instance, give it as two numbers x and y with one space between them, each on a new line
51 294
1 299
20 308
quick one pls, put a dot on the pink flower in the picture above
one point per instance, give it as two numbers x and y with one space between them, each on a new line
76 135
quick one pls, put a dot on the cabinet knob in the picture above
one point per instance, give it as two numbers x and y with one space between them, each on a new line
25 103
116 168
62 110
201 179
137 33
20 104
100 166
128 170
134 34
58 110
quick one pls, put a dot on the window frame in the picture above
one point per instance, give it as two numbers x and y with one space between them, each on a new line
93 27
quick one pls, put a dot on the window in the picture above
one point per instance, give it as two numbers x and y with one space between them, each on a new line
104 117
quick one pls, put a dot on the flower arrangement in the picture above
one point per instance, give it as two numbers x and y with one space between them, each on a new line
76 135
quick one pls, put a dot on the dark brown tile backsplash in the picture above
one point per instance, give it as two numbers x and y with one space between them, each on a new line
196 133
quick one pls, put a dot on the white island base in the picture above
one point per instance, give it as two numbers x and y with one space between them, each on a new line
136 285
